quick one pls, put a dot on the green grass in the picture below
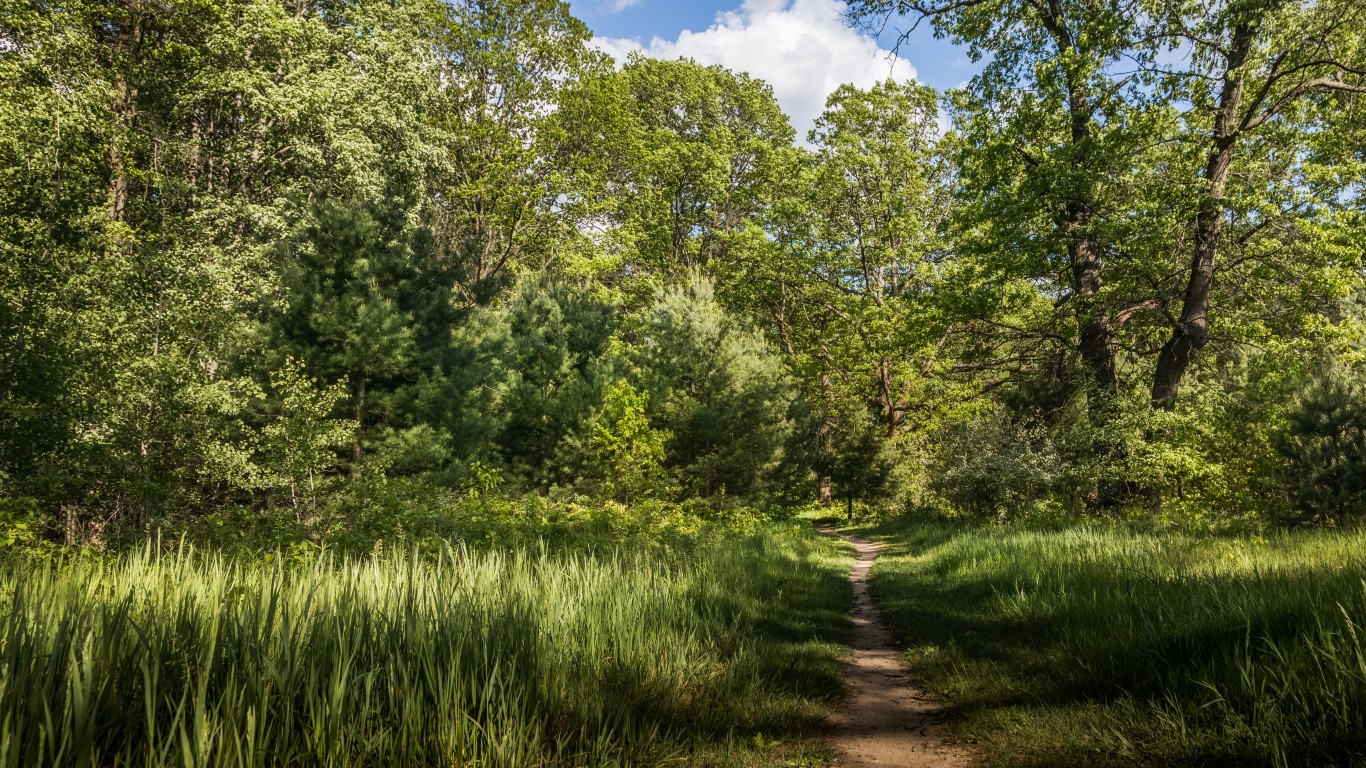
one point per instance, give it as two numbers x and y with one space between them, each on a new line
712 653
1090 647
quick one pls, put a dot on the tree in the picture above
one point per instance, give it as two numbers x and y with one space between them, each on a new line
364 303
300 442
1324 444
538 367
498 203
692 158
881 185
716 388
1264 58
161 150
1045 125
856 461
847 280
627 452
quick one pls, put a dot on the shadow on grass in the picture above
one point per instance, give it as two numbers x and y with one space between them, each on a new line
792 623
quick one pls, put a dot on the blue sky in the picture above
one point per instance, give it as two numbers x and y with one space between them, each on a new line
801 47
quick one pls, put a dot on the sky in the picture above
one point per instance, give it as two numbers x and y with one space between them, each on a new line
803 48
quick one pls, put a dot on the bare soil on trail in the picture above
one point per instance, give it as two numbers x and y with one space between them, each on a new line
886 721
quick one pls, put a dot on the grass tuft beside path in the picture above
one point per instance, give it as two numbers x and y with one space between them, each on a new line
1090 647
715 652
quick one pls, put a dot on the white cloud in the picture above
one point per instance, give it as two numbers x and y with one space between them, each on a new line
617 6
803 48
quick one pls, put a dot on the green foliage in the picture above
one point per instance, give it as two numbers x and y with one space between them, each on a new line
991 467
364 304
300 444
470 232
692 157
541 364
717 389
505 196
1324 444
628 454
856 460
20 522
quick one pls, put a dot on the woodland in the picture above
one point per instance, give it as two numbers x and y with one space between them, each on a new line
294 267
342 337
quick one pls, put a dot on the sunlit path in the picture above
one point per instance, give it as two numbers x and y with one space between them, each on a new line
887 720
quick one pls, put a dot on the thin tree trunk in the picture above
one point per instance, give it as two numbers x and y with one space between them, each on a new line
124 44
357 450
1192 329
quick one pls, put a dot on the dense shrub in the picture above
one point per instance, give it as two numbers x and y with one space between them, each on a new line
990 466
1324 444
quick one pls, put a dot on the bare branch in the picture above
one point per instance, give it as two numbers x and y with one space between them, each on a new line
1318 83
1125 315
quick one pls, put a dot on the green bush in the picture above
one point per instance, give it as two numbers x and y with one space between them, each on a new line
992 467
1324 445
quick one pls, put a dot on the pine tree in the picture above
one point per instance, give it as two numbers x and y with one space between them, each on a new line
1325 445
538 368
364 305
717 388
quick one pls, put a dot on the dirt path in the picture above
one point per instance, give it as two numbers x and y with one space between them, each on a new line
886 721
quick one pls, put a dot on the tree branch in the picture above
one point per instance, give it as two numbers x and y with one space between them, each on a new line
1318 83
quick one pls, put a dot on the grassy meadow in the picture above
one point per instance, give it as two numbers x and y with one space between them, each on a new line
1105 647
718 651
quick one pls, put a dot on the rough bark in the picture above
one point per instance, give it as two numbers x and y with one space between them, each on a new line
124 42
1191 332
1096 340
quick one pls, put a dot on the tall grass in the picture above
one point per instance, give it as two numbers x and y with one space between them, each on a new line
1107 646
521 658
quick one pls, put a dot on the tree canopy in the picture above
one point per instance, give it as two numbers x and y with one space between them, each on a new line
274 256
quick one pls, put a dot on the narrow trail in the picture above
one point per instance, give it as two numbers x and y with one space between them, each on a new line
887 721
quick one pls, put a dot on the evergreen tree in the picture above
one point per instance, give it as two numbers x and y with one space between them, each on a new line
717 388
1324 445
364 305
538 368
857 463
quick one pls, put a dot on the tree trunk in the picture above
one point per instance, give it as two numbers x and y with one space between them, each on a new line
357 450
125 112
1192 329
823 485
1096 342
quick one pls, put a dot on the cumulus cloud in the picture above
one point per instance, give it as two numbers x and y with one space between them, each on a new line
803 48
